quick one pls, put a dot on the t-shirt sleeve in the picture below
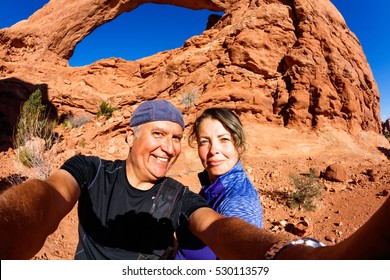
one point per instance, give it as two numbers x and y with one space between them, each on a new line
192 202
82 168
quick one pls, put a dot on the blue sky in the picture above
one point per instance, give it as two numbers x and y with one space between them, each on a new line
152 28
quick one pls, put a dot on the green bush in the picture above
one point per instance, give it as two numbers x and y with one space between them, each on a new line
34 135
26 157
105 110
33 122
308 189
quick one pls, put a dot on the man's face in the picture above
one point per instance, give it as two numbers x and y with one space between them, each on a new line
154 151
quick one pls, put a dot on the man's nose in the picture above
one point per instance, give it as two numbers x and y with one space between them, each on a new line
167 146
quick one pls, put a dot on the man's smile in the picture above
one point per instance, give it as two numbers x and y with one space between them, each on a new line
161 158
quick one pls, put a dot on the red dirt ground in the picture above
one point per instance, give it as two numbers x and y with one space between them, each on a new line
274 155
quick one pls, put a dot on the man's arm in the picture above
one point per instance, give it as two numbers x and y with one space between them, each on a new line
232 238
31 211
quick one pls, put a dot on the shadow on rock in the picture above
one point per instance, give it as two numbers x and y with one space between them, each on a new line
14 92
10 181
384 151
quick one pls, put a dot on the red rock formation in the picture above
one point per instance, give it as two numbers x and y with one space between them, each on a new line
291 63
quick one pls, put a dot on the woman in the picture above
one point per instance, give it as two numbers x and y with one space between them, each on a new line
225 185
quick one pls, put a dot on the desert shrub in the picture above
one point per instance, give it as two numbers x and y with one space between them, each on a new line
76 121
34 121
34 136
387 135
105 110
189 98
308 189
82 143
27 157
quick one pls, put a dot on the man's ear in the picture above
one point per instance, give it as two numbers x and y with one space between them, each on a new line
129 136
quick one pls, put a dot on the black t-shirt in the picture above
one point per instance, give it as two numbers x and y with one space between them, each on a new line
114 217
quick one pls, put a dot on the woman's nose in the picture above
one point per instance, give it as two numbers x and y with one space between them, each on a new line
214 148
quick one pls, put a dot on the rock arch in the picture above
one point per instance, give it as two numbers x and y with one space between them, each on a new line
282 62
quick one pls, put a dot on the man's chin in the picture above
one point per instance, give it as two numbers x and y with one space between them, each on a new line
160 174
160 170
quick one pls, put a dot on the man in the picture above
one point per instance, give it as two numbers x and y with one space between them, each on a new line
120 202
119 217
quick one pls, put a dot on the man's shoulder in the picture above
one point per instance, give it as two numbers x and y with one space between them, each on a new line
93 159
80 162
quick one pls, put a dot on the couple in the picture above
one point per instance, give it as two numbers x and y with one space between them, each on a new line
128 209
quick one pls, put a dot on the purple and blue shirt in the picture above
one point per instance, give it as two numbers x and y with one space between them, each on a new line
232 195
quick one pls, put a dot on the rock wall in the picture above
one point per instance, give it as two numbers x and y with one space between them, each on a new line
289 63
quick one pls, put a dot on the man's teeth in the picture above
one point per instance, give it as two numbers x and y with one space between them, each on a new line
162 159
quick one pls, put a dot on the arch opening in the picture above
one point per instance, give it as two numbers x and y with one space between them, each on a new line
145 31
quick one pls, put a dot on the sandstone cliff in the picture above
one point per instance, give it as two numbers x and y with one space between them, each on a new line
283 62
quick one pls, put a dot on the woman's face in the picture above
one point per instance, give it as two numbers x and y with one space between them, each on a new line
216 148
